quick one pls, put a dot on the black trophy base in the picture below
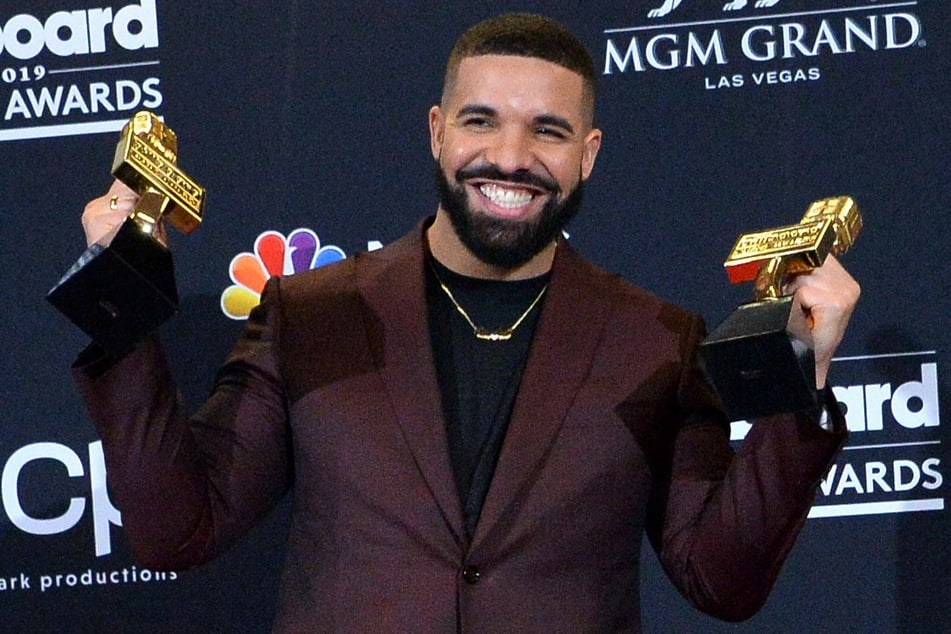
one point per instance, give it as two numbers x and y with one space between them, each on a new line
757 365
119 290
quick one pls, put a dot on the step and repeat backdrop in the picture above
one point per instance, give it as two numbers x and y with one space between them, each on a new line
307 123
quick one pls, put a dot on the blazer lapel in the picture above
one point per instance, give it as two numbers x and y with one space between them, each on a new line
566 338
392 284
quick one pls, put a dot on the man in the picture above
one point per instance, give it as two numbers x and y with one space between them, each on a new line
477 424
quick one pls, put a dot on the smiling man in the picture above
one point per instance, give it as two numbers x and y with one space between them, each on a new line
477 425
513 139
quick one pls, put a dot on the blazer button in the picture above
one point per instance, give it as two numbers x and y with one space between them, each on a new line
471 575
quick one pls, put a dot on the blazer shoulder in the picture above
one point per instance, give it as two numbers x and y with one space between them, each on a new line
327 330
318 289
630 301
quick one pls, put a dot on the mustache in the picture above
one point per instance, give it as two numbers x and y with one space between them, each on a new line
522 177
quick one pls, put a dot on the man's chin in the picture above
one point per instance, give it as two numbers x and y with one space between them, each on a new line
504 242
501 242
505 222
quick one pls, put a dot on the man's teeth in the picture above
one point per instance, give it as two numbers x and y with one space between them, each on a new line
505 197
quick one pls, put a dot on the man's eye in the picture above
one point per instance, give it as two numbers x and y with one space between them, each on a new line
549 132
476 123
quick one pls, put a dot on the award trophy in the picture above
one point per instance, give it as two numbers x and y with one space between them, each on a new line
123 286
760 359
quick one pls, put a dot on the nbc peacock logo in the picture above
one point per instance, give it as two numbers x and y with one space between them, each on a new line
273 254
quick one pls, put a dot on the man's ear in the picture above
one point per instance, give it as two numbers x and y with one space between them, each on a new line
592 143
437 128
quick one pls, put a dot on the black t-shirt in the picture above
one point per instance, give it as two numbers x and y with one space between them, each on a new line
478 379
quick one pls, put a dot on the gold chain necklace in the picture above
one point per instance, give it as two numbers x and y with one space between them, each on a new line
483 333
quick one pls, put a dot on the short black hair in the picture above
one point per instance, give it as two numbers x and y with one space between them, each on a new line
524 35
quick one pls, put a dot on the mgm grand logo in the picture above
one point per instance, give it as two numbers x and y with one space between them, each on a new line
755 37
736 5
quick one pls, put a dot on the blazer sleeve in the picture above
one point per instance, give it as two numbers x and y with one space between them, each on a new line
723 523
188 486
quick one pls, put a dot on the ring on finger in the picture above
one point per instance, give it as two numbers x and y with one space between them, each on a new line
114 202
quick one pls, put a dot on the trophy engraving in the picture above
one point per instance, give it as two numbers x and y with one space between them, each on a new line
760 358
123 286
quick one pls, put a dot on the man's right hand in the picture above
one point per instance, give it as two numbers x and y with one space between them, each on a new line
107 212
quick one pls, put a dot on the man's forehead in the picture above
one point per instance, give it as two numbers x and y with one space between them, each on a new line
524 63
515 73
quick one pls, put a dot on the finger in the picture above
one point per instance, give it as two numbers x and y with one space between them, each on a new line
121 197
826 275
118 188
103 214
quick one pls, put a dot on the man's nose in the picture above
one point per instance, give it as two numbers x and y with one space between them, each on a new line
511 150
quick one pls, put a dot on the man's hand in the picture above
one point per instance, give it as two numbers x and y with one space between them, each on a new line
107 212
826 296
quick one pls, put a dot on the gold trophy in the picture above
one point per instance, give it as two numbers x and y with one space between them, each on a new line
760 359
123 286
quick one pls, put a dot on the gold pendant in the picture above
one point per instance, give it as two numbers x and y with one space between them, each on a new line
488 335
481 333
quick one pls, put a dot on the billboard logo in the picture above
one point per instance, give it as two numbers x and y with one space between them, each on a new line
49 86
912 405
893 460
273 255
68 33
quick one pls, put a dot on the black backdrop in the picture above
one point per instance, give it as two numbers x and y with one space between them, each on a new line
313 115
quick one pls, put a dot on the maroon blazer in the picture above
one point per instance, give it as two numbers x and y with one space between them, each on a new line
331 392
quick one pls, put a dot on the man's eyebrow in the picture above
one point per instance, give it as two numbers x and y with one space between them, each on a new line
476 109
551 120
556 121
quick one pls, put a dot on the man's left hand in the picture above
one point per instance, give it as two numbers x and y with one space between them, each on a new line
826 296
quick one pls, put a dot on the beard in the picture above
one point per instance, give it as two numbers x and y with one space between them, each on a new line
502 242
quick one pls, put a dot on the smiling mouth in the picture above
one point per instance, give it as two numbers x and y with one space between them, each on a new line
508 197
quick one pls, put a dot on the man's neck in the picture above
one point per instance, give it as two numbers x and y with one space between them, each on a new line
449 250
